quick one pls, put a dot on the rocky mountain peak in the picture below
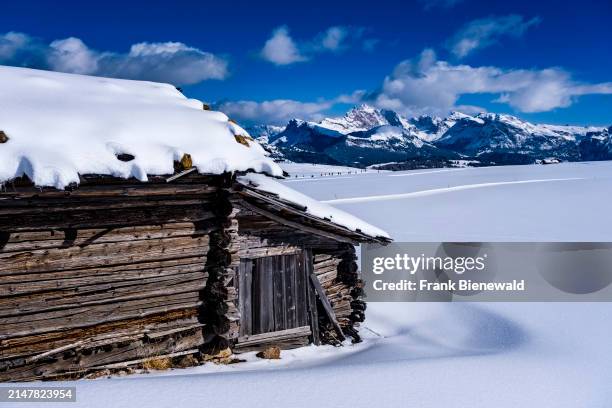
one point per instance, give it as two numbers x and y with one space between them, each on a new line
360 118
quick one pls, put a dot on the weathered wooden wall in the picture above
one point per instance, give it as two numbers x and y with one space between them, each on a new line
114 273
333 264
103 276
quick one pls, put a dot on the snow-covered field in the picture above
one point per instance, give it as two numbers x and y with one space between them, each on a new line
432 355
309 170
560 202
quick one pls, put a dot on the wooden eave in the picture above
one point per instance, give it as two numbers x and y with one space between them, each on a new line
296 216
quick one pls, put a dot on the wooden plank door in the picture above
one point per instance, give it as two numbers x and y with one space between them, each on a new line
273 294
262 293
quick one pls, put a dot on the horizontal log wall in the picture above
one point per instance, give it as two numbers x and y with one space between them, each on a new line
102 275
104 206
110 275
339 276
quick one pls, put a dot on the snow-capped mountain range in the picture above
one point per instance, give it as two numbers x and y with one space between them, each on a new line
366 135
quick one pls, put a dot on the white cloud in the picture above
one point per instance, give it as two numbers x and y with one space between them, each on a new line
426 85
485 32
172 62
280 49
72 55
21 49
334 37
277 111
469 109
11 43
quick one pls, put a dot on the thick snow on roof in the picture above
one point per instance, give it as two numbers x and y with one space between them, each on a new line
62 125
313 207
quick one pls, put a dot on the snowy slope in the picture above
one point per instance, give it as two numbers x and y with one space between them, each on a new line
379 137
300 132
383 144
432 128
431 355
62 125
263 134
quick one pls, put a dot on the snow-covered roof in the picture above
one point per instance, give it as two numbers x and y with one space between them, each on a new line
62 125
313 207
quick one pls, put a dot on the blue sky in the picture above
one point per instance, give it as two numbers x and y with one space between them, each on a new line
269 61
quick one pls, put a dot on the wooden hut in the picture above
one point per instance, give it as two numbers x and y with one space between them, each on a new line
139 229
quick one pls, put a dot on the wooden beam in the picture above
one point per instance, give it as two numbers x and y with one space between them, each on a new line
138 361
273 336
327 306
181 174
37 357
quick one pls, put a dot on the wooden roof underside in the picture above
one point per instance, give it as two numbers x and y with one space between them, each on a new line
296 216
